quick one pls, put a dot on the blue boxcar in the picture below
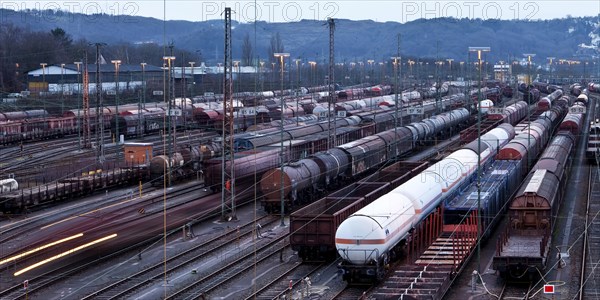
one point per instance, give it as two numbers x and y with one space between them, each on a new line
498 182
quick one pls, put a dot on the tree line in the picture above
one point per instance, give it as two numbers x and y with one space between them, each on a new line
22 50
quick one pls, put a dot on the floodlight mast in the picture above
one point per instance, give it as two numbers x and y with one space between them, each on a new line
479 51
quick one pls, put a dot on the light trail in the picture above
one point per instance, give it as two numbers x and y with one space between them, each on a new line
12 258
45 261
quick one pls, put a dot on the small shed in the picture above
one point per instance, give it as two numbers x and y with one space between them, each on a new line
138 153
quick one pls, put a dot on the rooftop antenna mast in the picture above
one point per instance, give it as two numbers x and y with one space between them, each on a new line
227 167
331 82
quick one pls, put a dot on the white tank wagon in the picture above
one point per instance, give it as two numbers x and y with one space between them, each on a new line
374 235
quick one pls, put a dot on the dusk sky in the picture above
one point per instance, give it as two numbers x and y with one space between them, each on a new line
290 11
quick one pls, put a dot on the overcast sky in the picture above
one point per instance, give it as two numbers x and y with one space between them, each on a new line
289 11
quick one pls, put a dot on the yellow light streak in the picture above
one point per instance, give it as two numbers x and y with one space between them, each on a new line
12 258
45 261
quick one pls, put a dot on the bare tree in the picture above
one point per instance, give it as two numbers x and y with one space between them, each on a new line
276 46
247 51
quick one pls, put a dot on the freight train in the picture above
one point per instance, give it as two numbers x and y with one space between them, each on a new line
23 115
16 201
371 238
594 87
313 227
306 179
24 126
16 127
360 124
302 190
499 181
193 158
523 248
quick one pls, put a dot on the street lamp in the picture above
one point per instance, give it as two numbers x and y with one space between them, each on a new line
362 71
352 75
381 67
143 85
370 61
262 76
410 65
78 64
313 66
529 57
281 57
192 63
272 74
62 88
479 50
450 60
397 62
167 97
550 59
236 64
297 61
140 123
43 82
117 63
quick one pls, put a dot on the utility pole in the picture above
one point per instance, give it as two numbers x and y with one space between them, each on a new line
332 98
183 93
78 64
529 82
45 85
550 67
479 51
281 57
168 97
297 88
142 101
117 63
227 168
438 99
62 88
99 109
192 92
87 134
398 97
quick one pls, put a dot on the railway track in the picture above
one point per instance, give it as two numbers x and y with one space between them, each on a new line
282 285
149 276
233 268
38 283
513 291
19 227
32 166
590 274
31 148
351 293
